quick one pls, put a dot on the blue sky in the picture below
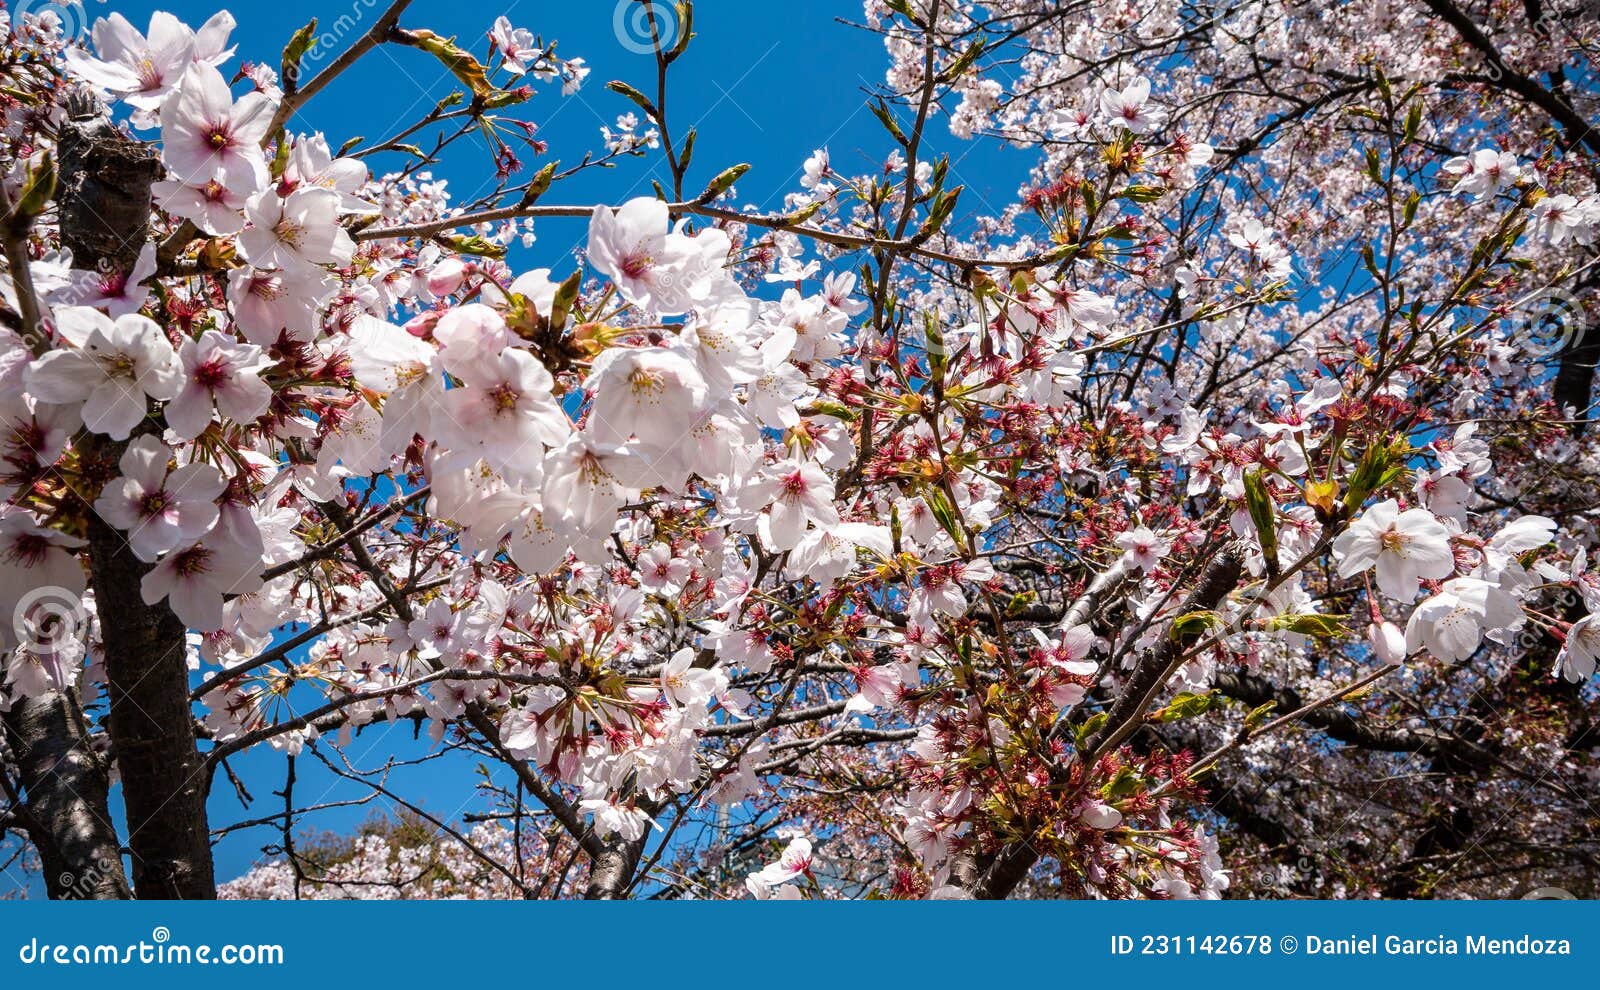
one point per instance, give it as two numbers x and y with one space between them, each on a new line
763 83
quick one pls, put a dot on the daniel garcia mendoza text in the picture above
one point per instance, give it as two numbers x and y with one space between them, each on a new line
1438 945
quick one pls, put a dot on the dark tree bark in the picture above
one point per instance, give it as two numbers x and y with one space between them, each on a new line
1574 382
612 871
104 199
151 728
1343 726
65 812
103 193
62 804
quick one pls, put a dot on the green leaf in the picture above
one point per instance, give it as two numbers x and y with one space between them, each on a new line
943 206
539 184
462 65
1020 602
903 8
1089 727
1307 623
801 215
685 11
688 150
1193 624
1143 194
1374 170
1259 714
955 69
945 513
880 110
1121 784
1377 468
501 98
38 188
838 410
280 160
1185 705
473 244
936 350
565 298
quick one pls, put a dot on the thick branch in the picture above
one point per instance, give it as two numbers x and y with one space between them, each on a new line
105 212
66 812
1502 76
1344 726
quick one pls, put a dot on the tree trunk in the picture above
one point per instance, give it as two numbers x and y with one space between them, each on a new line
151 728
65 812
104 201
1573 386
612 870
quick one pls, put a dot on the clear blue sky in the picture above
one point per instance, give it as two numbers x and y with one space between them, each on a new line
764 83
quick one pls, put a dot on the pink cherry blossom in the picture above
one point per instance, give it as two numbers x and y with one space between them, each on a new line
206 136
113 367
160 507
219 374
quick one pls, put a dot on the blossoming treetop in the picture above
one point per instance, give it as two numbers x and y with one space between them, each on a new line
1214 516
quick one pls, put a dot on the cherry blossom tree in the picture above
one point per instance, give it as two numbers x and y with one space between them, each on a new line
1212 519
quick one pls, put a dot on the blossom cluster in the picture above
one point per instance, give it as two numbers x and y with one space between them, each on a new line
941 544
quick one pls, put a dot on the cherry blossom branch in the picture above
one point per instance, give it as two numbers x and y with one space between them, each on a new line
309 635
14 227
558 805
1248 735
698 208
319 717
294 98
328 549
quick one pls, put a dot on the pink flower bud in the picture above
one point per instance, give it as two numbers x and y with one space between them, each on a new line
422 324
447 276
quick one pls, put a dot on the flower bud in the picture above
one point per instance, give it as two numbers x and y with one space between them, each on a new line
422 324
446 277
1388 642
